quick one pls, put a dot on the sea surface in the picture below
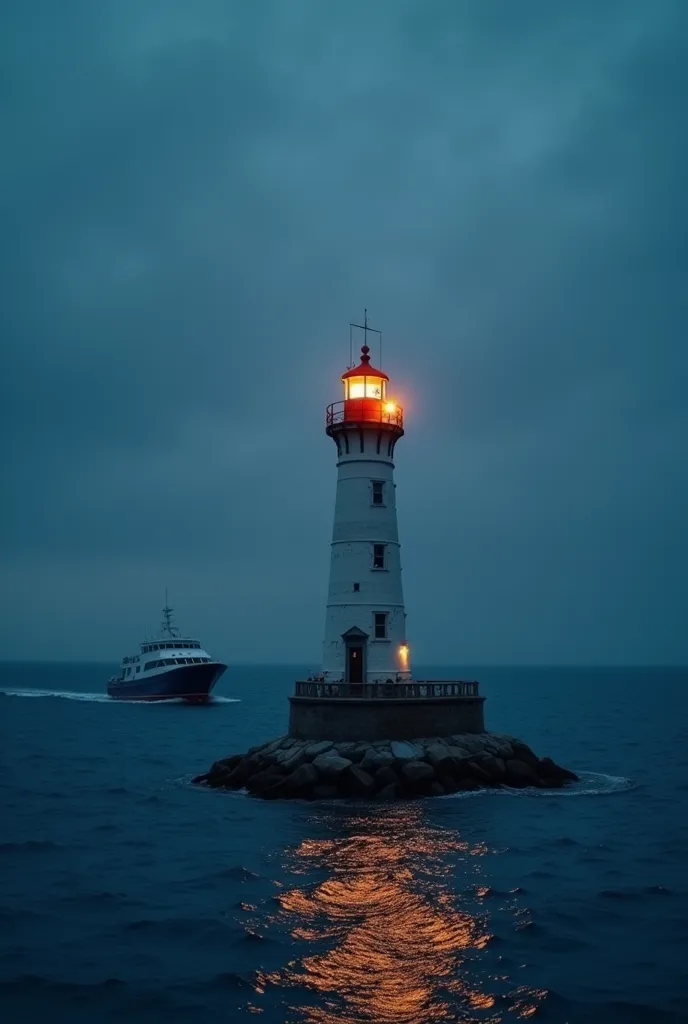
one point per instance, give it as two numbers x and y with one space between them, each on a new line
128 894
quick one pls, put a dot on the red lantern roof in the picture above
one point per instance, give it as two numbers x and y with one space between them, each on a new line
364 369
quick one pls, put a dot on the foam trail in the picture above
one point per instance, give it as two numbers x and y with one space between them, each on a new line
98 698
589 784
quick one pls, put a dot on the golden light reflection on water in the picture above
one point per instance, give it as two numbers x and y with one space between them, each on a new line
400 950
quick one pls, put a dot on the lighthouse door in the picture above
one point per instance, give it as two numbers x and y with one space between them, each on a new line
354 666
354 663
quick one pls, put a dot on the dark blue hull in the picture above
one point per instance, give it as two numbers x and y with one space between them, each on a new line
187 682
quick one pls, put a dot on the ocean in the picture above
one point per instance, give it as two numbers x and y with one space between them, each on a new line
127 894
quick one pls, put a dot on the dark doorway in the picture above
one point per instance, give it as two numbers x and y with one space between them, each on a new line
354 663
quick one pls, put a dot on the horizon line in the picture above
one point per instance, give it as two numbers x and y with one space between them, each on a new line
428 664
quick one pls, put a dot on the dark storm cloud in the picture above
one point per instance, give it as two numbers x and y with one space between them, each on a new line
197 198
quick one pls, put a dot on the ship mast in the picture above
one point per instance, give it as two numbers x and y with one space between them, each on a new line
167 629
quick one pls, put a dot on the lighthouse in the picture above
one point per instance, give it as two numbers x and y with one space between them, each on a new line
365 626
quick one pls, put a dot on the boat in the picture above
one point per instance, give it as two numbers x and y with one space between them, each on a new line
170 667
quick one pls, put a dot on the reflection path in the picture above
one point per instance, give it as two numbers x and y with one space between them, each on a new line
401 921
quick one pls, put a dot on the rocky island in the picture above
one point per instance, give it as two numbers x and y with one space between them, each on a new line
386 770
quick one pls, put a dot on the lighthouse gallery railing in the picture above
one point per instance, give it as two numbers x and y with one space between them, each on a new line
388 691
362 410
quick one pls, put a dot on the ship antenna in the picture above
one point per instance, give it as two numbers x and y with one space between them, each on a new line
167 627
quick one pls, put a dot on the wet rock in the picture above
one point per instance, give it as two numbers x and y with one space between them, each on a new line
436 753
313 750
263 780
403 751
436 788
355 752
330 766
292 759
386 777
357 782
522 752
227 764
375 759
238 778
494 766
449 784
388 793
460 753
548 770
304 778
519 774
417 776
478 773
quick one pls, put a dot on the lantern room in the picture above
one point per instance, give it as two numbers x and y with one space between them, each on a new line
364 381
365 399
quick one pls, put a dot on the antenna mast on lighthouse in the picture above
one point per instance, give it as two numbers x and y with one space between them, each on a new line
365 328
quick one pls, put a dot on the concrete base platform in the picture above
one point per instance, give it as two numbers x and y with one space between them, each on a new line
381 718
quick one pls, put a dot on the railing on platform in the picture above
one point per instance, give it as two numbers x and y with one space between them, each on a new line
388 691
364 410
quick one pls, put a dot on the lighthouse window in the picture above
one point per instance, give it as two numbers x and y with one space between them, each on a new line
380 625
379 556
378 492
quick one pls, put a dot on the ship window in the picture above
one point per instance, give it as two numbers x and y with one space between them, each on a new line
378 492
138 668
357 587
379 556
380 625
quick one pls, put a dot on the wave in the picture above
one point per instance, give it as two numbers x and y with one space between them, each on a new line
28 846
100 698
589 784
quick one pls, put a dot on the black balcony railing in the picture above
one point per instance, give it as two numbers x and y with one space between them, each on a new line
364 410
388 691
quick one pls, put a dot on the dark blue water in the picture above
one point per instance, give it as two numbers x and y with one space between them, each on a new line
128 894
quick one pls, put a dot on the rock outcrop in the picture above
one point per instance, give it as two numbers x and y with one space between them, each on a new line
285 768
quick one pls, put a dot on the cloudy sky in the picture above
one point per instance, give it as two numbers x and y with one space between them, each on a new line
197 197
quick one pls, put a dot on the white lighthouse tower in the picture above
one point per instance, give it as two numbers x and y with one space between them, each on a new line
365 629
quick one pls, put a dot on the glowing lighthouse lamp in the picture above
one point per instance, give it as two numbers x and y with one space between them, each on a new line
365 628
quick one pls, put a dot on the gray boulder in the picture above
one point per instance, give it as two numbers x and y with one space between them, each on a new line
416 776
313 750
226 765
436 753
330 766
238 778
375 759
388 793
357 782
519 774
263 780
494 766
522 752
404 751
291 759
304 779
386 777
478 773
355 752
548 770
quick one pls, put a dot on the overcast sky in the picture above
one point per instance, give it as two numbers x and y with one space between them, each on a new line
197 196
